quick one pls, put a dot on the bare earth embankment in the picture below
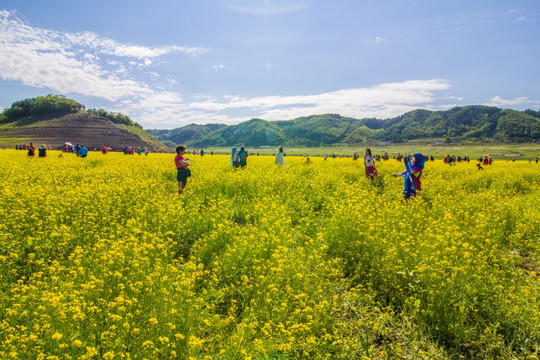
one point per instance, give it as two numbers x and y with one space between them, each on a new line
78 128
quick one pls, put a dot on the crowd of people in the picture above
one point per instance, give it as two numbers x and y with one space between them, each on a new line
78 149
414 164
130 150
31 149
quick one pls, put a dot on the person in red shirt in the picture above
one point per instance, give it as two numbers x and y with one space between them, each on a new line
31 150
369 163
182 168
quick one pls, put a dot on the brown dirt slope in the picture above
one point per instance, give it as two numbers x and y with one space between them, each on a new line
78 128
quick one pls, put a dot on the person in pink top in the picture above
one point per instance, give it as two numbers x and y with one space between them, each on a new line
182 168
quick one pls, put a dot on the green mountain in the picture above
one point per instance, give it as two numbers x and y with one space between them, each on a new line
469 122
184 135
474 123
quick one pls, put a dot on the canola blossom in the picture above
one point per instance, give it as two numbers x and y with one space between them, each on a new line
100 258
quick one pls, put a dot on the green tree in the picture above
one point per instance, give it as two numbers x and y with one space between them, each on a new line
41 105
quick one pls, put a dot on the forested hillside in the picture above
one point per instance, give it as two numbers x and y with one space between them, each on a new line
473 123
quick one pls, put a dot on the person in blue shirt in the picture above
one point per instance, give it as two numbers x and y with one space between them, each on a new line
412 174
83 151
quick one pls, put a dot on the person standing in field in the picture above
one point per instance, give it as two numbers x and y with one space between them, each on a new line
182 171
235 159
412 175
83 151
369 163
31 150
242 154
42 151
280 157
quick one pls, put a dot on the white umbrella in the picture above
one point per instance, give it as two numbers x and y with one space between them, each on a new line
68 143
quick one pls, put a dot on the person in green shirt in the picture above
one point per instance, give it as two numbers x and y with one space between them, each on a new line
242 154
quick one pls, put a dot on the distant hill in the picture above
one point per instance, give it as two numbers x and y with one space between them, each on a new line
54 120
187 134
474 123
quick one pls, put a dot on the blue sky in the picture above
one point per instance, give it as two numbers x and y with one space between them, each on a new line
167 64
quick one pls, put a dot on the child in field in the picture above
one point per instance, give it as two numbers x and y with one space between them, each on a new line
412 175
182 171
369 162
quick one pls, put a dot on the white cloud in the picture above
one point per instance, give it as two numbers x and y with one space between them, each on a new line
111 47
500 102
528 17
381 101
69 62
379 40
87 64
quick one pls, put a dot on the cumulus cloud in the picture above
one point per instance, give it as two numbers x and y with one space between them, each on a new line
381 101
90 65
70 62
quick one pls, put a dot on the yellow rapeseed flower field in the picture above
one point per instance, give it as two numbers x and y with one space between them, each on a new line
101 258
